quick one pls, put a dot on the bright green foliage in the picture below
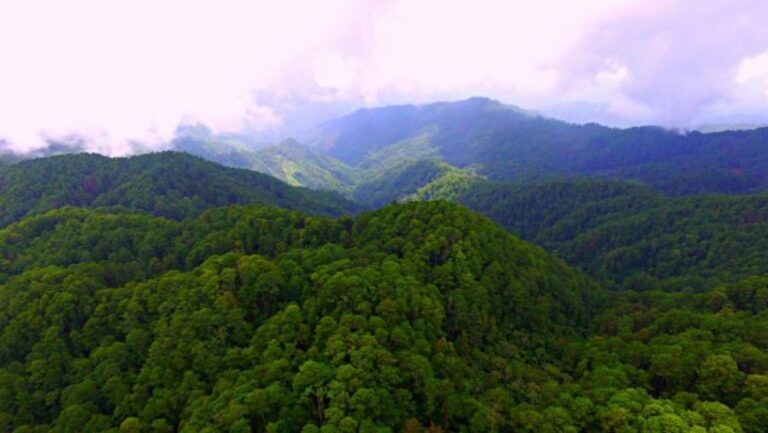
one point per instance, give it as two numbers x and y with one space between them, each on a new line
289 161
420 180
407 170
302 165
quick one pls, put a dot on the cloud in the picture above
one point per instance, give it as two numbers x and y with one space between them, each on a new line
114 74
682 56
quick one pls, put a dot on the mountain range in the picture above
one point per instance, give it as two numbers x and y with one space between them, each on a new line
469 267
487 139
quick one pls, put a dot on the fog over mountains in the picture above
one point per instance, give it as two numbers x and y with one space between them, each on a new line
678 64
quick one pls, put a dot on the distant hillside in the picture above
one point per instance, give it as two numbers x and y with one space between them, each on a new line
169 184
302 165
289 161
403 171
420 180
506 143
488 139
632 235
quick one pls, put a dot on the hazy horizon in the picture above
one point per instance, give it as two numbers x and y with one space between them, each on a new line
124 76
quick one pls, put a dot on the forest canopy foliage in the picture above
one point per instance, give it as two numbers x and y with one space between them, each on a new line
631 235
419 317
169 184
164 293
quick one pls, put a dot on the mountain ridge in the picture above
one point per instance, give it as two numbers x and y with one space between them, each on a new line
506 143
170 184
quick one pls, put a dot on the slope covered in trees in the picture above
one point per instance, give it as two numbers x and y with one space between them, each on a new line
139 295
422 179
630 234
169 184
506 143
302 165
257 319
420 317
358 153
289 161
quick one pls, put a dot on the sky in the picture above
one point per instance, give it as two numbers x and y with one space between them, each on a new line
121 76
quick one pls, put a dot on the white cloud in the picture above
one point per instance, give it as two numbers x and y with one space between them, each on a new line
753 72
119 72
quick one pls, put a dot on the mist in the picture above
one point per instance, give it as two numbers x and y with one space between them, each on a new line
119 78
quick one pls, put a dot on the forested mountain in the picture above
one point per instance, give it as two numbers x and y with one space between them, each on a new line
169 184
358 153
290 161
423 317
256 319
302 165
506 143
165 293
630 234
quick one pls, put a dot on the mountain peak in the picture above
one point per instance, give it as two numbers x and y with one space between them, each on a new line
290 143
479 100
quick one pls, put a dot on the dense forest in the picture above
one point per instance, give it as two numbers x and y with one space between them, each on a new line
631 235
169 184
166 293
417 317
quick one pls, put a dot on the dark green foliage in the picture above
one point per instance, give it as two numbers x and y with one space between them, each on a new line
168 184
421 317
632 235
274 321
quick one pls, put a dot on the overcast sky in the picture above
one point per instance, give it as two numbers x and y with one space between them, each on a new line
123 71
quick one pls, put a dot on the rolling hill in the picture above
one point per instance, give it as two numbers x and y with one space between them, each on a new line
169 184
143 295
630 234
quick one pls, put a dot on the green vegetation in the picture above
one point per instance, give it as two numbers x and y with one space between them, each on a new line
168 184
258 319
451 185
289 161
406 170
631 235
418 180
394 156
301 165
419 317
504 143
402 153
164 293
